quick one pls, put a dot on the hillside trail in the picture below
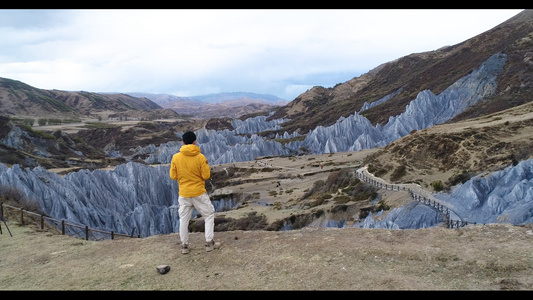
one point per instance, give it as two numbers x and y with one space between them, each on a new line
414 188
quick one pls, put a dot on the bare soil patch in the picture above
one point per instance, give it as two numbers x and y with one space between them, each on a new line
278 184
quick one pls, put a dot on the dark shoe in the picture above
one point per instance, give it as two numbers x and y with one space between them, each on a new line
211 245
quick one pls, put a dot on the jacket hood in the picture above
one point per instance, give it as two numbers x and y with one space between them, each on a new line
190 150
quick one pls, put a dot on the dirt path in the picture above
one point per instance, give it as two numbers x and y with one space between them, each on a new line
414 188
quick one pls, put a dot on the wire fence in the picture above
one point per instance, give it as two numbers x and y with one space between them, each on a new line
443 210
81 231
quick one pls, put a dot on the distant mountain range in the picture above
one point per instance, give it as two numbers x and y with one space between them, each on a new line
18 99
227 104
403 78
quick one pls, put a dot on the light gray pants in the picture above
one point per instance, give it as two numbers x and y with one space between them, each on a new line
203 205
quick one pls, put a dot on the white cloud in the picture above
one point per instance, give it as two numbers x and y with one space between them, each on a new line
193 52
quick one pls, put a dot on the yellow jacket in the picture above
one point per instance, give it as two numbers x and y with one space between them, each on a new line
191 169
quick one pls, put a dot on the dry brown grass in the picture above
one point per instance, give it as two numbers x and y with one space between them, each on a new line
490 257
452 153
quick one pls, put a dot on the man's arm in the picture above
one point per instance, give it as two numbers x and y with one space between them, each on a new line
206 170
173 170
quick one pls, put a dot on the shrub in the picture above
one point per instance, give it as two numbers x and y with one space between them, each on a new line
37 132
381 205
250 222
460 178
342 199
339 208
398 173
437 185
336 180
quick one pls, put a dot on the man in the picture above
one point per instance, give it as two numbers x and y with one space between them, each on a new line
189 166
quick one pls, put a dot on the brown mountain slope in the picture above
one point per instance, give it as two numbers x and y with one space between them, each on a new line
454 152
434 70
22 100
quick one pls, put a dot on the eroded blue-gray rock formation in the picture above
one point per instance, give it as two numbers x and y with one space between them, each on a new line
352 133
143 199
132 198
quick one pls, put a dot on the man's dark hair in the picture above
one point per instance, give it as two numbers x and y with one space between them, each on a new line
189 137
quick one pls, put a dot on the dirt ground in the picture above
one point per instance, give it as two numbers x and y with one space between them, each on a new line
477 257
286 181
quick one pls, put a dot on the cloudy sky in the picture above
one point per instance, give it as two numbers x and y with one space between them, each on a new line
188 52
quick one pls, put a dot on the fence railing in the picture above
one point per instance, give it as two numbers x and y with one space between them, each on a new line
81 231
442 209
